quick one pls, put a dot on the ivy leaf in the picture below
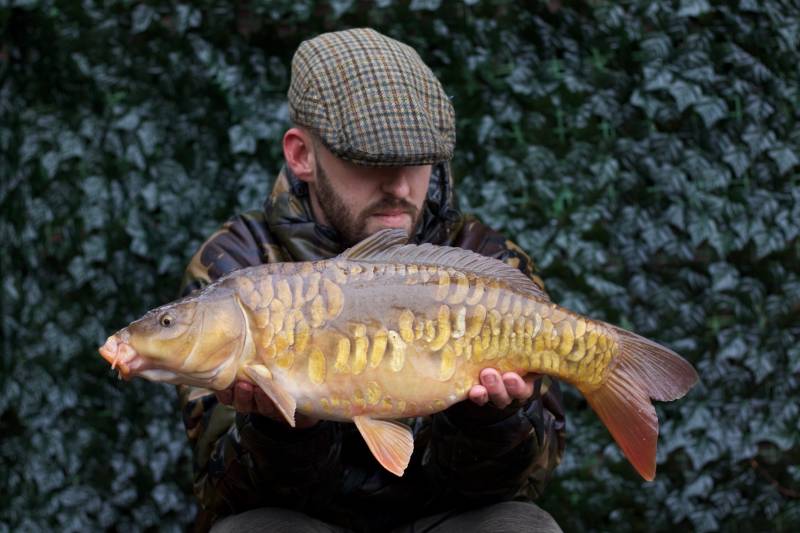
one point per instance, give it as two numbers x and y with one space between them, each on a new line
50 163
149 136
685 94
784 157
711 110
657 79
738 160
693 8
187 17
141 18
242 141
794 359
657 45
704 229
425 5
135 156
758 140
723 277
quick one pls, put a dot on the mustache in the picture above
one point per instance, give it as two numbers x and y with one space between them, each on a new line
391 204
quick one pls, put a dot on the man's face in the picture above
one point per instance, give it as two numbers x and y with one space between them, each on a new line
358 201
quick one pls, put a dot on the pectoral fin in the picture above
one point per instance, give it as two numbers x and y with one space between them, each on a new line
197 393
390 442
284 401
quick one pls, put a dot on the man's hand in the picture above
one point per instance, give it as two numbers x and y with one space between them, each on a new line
501 390
248 398
496 397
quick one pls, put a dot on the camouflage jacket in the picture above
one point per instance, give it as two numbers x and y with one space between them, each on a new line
247 461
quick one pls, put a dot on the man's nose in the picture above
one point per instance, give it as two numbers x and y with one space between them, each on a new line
396 183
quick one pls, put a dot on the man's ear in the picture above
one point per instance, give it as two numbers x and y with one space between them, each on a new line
298 150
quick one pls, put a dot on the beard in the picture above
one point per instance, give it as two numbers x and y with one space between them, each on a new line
352 227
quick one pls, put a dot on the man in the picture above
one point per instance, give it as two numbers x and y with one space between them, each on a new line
373 135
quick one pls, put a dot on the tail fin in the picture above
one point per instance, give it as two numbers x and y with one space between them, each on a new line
642 370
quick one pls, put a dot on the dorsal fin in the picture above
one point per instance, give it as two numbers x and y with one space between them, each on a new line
379 241
389 246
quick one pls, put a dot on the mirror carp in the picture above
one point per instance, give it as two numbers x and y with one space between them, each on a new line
389 330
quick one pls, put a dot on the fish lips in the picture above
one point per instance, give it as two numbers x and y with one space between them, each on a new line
121 355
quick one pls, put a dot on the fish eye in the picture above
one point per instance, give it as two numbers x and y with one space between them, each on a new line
166 320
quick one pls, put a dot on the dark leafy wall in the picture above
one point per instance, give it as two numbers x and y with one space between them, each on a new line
645 153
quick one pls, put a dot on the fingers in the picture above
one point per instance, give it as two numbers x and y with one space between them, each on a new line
248 398
495 387
517 387
478 394
501 390
243 400
225 396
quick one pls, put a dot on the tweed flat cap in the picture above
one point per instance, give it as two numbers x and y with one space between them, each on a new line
371 99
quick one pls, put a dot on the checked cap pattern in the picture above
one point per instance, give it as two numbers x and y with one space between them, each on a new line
371 99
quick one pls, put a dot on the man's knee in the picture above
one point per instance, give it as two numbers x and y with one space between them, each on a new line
505 517
271 519
527 516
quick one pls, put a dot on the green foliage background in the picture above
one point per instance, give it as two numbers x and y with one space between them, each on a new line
645 153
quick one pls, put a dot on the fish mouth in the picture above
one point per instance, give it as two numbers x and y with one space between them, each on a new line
122 356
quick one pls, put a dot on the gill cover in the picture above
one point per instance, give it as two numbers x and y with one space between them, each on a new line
198 339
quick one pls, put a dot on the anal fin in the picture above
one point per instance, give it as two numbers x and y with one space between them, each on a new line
284 401
390 442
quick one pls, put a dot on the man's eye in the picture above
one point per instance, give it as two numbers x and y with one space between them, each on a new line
166 320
